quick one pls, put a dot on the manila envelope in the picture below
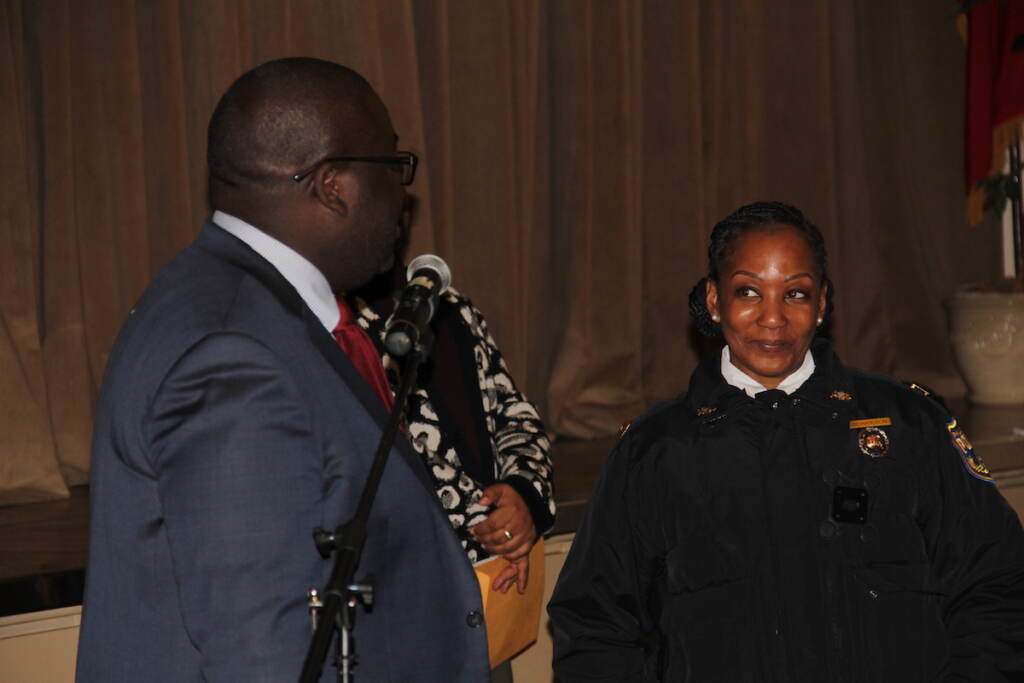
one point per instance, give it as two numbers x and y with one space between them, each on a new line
512 618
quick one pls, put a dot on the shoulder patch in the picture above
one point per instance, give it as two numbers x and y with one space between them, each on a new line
974 464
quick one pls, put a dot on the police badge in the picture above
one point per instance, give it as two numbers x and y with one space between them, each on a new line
873 441
974 464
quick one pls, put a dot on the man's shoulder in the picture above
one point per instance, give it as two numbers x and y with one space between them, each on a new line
194 296
195 291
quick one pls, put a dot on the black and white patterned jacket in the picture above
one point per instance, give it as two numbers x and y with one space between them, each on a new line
494 434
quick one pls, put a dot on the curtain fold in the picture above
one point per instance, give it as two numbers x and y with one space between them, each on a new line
29 468
575 156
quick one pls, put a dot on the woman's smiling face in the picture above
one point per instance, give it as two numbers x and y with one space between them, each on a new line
769 299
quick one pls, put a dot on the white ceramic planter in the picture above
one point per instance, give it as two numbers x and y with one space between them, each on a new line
987 332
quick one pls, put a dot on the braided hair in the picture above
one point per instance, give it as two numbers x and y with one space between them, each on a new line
756 216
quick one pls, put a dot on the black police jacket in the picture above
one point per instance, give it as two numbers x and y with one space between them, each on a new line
845 532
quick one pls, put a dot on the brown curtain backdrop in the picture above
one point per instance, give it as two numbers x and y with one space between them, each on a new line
575 157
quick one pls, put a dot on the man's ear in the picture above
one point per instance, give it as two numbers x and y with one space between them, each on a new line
711 297
333 189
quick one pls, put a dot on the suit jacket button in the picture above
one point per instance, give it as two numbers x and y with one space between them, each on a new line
474 619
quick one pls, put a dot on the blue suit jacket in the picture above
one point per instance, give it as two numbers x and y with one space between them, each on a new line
229 426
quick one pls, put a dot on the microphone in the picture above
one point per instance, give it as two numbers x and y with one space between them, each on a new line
429 277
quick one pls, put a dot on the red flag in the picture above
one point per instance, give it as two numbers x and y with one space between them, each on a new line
995 89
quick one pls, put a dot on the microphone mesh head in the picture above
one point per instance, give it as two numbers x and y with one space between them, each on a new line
434 263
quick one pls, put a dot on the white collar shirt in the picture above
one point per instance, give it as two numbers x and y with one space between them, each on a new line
306 278
741 380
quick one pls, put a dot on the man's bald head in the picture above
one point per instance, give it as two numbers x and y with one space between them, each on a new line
286 117
281 117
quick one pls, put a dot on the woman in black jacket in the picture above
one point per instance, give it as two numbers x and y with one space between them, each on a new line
788 518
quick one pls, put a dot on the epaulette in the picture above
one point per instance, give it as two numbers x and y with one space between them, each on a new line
927 392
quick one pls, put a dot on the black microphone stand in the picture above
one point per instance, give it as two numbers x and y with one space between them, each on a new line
342 594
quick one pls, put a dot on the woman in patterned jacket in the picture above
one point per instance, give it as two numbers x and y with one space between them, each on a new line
480 437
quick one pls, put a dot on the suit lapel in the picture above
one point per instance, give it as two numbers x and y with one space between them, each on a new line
225 245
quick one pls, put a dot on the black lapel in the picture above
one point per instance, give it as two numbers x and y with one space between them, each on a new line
225 245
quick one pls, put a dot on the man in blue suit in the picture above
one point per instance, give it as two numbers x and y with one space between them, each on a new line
231 424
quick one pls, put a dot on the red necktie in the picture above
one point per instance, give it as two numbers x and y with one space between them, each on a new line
357 345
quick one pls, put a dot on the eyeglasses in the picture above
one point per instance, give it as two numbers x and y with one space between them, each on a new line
406 161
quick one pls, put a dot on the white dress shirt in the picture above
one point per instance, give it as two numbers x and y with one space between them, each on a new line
306 278
741 380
